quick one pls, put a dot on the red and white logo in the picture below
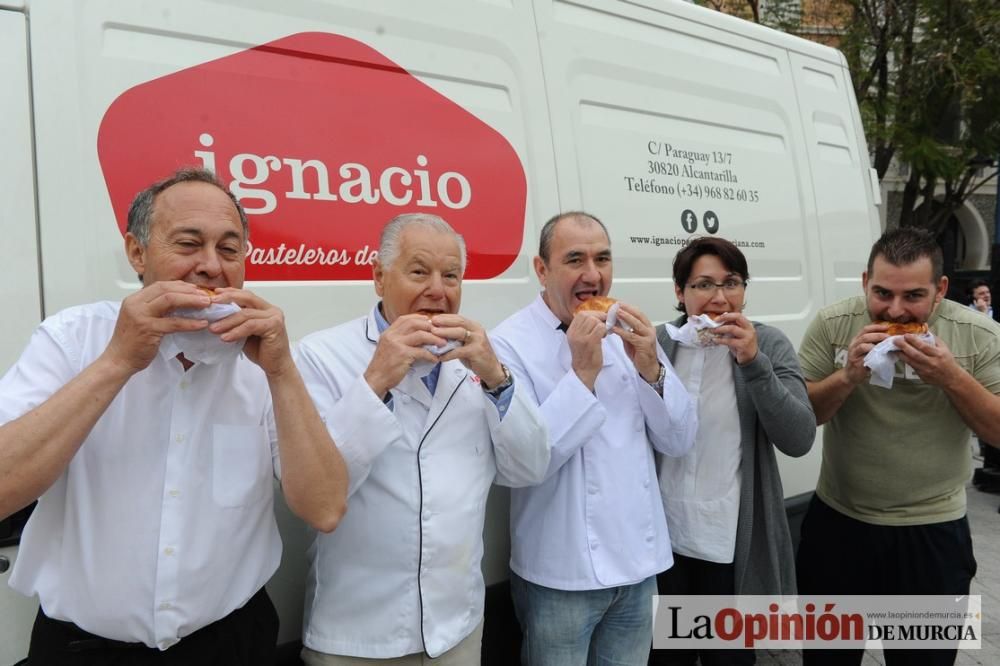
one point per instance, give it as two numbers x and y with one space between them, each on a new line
323 140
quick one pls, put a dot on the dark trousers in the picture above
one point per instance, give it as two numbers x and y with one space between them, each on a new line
245 637
691 576
841 555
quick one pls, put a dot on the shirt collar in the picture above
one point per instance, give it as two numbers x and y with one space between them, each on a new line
380 321
550 319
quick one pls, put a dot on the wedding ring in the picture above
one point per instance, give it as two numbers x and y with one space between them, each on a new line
468 334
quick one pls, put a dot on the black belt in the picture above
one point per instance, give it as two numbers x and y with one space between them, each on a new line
85 641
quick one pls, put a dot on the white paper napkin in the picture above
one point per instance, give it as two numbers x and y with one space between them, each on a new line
203 346
613 316
696 332
881 360
421 369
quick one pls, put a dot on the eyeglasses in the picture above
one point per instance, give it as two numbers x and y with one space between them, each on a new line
730 286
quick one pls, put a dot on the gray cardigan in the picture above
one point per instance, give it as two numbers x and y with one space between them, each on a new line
774 409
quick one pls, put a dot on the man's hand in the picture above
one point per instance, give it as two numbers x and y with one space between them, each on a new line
584 337
263 326
933 363
36 448
981 305
476 352
863 342
737 333
398 348
143 321
640 343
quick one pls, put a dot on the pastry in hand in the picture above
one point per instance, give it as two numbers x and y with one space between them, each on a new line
595 304
914 327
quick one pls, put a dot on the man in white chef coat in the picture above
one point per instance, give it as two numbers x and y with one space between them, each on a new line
151 442
588 541
424 434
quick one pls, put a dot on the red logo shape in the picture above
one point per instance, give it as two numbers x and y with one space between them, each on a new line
323 139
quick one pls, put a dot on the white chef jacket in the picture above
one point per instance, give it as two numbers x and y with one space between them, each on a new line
597 520
701 491
163 521
402 572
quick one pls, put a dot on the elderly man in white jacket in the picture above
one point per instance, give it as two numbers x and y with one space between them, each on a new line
424 435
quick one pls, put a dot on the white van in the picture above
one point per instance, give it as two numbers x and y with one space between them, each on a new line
330 116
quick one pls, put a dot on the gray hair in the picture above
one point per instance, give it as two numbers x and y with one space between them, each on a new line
140 213
389 241
549 230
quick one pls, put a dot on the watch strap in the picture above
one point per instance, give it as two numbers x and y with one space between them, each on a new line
508 379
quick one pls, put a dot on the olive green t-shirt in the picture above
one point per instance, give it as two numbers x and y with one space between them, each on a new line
898 456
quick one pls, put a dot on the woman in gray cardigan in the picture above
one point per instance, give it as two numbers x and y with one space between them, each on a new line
724 500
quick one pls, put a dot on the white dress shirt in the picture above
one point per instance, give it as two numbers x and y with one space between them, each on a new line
701 491
402 572
597 520
163 521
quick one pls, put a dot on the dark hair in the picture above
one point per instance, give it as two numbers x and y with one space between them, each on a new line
976 284
905 245
728 254
549 230
140 213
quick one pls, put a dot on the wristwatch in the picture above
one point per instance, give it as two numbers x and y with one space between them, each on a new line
658 384
502 386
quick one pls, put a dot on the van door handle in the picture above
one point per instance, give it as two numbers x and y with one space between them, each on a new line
4 564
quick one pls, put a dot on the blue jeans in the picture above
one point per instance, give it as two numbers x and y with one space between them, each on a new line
607 627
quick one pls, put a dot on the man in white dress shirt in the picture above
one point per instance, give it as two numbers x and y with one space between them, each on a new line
424 436
154 531
588 541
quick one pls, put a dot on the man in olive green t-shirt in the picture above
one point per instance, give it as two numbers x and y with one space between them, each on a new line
889 512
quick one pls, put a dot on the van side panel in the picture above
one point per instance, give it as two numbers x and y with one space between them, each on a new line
670 127
676 130
838 162
93 51
847 218
19 279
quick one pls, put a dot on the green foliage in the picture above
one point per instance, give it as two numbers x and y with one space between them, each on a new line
784 15
949 122
927 79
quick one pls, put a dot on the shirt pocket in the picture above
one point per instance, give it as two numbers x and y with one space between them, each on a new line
241 464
